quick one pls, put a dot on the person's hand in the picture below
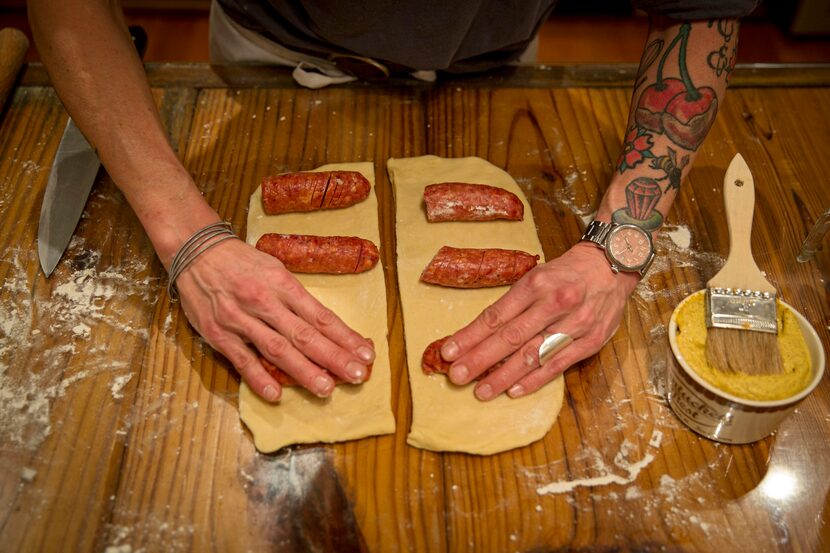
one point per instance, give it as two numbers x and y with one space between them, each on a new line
576 294
242 300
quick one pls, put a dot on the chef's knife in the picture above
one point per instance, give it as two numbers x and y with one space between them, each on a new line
70 181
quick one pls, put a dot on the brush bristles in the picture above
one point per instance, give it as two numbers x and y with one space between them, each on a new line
743 351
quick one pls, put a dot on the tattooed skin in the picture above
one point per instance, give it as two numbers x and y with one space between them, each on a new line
671 117
723 59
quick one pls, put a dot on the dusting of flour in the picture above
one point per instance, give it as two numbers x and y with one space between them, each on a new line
40 332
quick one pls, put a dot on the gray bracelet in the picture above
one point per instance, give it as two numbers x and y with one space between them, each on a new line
201 241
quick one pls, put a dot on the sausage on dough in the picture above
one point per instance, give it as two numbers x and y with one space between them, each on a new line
302 253
477 268
433 363
455 201
313 190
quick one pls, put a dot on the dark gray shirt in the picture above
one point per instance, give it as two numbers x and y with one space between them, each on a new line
447 35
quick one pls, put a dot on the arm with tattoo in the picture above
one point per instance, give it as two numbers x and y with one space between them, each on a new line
681 82
682 79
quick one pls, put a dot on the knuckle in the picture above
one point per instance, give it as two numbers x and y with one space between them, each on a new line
512 335
536 280
246 365
568 297
325 317
491 317
276 346
252 294
212 332
287 284
304 335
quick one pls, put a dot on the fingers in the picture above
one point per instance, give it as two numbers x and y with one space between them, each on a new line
238 295
540 292
300 350
537 378
502 342
248 367
323 319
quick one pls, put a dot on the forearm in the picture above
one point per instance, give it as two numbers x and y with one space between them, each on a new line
96 71
680 85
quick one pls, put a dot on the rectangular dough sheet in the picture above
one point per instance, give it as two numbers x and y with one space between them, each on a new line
351 412
446 417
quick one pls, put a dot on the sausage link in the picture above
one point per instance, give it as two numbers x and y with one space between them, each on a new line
455 201
477 268
302 253
310 191
433 363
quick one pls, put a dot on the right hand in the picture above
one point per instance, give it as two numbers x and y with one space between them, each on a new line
236 297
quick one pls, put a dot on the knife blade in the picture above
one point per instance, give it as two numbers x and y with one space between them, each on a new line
70 182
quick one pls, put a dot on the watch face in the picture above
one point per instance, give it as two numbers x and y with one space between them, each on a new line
629 246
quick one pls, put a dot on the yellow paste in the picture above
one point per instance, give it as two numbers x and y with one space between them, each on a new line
691 340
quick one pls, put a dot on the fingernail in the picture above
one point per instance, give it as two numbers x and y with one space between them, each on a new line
517 390
485 391
366 354
323 385
459 374
355 370
270 393
449 350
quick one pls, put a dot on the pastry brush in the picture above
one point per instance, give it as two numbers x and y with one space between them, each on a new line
742 333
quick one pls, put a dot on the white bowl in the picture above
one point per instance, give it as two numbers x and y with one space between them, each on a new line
724 417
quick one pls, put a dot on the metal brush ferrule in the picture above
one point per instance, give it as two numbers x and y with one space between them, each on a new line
741 309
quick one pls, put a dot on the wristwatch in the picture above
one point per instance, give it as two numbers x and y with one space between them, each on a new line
628 247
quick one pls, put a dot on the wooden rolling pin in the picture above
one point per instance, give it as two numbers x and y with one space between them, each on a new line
13 46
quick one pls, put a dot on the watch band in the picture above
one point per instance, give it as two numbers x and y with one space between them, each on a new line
597 232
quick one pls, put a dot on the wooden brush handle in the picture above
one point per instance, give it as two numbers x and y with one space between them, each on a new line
740 269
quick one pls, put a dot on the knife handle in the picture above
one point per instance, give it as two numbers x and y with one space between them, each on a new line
13 47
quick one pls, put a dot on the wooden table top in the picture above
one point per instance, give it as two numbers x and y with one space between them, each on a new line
119 425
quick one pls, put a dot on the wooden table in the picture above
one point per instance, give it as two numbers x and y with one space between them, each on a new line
119 425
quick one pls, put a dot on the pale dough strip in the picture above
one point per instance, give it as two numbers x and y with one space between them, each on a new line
351 412
447 417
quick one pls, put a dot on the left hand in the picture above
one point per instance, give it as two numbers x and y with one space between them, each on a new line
576 293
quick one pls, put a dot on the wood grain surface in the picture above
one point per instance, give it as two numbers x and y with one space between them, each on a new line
119 425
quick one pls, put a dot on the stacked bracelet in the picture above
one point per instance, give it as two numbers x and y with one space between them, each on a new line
201 241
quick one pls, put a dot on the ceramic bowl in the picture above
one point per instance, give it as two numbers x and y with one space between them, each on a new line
721 416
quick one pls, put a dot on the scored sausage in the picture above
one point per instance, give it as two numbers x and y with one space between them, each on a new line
433 363
455 201
302 253
477 268
286 380
310 191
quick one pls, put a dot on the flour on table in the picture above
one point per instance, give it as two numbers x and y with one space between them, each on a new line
631 470
33 364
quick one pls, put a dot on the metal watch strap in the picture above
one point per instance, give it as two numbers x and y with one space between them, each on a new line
597 232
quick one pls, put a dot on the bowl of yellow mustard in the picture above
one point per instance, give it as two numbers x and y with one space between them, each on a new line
731 407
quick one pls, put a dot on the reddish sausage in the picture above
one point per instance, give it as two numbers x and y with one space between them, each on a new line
432 362
312 191
454 201
284 379
475 268
301 253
